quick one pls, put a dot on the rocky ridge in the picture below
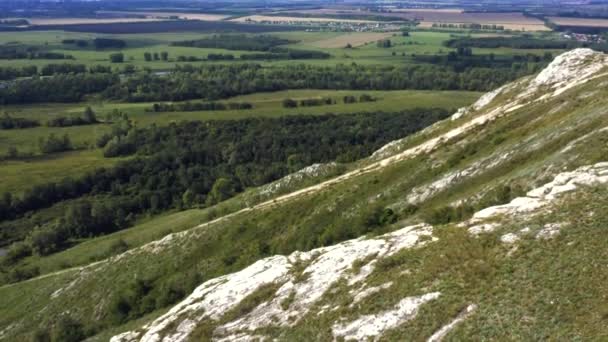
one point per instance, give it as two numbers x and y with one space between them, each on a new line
302 279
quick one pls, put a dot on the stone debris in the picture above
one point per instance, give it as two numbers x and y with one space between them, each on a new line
369 291
326 266
549 231
541 196
369 326
509 238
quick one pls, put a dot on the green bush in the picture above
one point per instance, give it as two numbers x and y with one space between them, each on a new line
68 329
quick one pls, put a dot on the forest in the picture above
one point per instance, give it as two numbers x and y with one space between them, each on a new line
191 164
236 42
213 82
520 43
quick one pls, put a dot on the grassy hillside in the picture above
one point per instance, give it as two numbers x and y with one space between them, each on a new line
440 176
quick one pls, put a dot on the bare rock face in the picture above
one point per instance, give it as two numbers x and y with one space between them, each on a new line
323 267
568 70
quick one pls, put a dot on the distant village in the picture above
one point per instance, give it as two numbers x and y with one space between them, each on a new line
585 38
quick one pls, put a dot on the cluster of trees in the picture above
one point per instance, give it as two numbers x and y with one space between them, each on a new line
9 122
53 144
81 43
64 68
58 88
189 59
362 98
197 164
117 57
236 42
291 103
109 43
10 73
150 56
220 57
88 117
384 43
198 106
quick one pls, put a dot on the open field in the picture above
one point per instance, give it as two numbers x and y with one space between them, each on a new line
264 105
565 21
267 18
18 175
365 51
354 39
74 21
164 15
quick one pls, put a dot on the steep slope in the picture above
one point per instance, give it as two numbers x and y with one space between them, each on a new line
470 255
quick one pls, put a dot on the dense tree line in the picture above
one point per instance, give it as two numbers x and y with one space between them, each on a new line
463 59
109 43
511 42
198 106
9 122
10 73
291 54
65 68
29 52
193 164
88 117
54 144
213 82
81 43
236 42
291 103
59 88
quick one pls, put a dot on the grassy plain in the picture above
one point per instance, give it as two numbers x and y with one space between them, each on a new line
365 50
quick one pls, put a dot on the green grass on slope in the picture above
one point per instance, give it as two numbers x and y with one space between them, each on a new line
535 135
537 290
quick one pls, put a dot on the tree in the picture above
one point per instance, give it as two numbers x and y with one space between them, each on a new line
89 115
384 43
54 144
164 56
290 103
148 56
12 152
222 189
68 329
188 198
156 57
117 57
